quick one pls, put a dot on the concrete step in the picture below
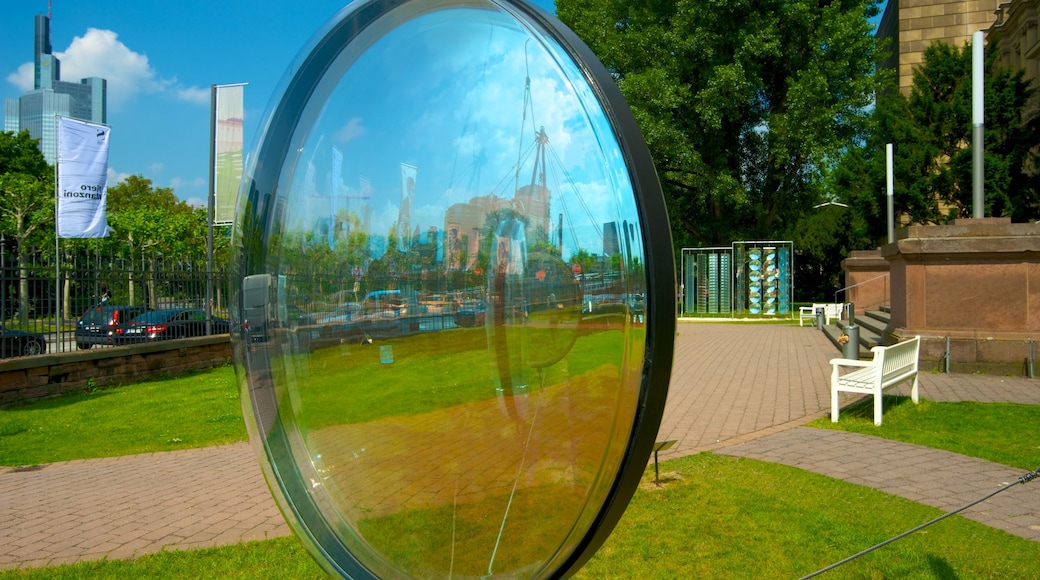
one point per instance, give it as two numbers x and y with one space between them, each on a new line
873 323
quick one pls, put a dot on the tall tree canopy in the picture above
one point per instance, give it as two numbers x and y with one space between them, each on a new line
743 103
152 219
26 203
26 187
931 131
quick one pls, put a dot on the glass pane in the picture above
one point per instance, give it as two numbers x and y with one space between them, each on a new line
442 319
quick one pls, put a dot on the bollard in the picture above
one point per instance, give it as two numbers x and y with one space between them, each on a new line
851 348
819 318
852 312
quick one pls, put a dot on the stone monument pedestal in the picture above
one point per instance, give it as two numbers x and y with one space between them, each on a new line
974 285
866 280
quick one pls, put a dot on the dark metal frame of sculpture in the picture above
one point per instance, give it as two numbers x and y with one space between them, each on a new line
257 193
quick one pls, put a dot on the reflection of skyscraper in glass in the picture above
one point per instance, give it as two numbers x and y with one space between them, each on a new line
466 225
408 175
611 245
35 111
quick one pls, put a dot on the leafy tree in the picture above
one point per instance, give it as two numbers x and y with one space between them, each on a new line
743 103
150 221
26 202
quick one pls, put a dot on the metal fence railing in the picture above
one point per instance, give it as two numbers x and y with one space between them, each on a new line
41 298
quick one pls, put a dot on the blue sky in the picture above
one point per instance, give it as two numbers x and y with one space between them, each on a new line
160 60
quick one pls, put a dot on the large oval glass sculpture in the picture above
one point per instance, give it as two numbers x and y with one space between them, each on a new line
455 318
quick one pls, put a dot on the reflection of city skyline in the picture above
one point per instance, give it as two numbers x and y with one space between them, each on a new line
466 226
459 237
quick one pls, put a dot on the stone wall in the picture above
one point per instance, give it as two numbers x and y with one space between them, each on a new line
51 375
866 280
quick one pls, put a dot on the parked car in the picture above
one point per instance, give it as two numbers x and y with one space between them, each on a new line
341 323
343 313
472 315
99 324
169 324
383 304
21 343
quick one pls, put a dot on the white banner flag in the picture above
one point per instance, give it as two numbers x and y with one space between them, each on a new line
82 179
229 151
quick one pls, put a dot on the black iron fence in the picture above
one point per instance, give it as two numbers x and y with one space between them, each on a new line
41 298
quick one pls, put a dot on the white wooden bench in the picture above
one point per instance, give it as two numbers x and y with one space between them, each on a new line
891 365
831 311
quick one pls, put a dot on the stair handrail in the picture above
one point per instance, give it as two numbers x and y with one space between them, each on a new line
885 295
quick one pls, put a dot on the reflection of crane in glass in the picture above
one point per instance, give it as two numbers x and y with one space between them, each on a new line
534 197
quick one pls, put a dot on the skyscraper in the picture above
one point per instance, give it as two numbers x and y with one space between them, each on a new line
36 110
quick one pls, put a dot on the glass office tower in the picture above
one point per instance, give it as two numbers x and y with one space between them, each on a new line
36 110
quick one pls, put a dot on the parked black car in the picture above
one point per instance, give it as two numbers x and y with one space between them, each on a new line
470 316
20 343
99 324
168 324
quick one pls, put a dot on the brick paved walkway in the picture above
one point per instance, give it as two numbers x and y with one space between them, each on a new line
736 389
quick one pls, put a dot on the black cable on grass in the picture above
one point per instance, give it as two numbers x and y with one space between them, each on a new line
1022 479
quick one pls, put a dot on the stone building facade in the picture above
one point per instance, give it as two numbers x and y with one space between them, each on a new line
914 24
1018 40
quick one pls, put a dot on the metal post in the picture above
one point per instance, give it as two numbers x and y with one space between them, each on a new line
211 203
946 359
1031 358
890 187
977 125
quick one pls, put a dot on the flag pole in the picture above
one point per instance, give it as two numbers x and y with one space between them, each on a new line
211 201
58 322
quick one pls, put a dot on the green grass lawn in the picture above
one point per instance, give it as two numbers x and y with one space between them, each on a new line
196 410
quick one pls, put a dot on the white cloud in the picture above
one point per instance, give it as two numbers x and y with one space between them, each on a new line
196 95
100 53
196 202
156 168
23 77
179 182
353 129
114 177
